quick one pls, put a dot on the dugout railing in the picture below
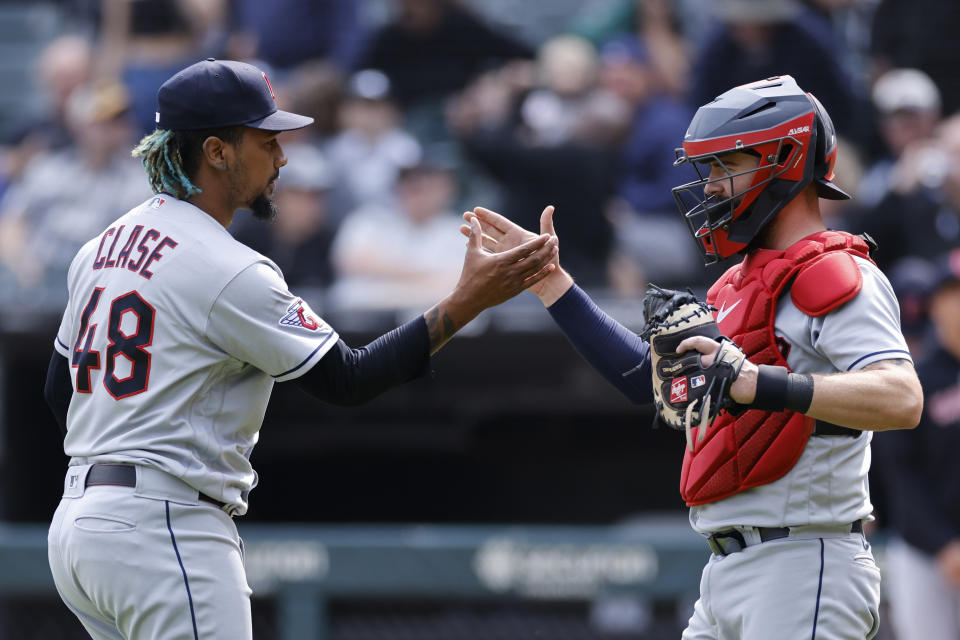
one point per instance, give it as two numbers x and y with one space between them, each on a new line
302 567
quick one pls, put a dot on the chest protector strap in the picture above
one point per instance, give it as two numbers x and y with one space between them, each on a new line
758 447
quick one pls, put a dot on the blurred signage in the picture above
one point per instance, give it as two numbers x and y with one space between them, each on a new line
268 563
559 570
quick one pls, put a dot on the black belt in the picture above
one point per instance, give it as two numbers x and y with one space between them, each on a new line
727 542
124 475
821 428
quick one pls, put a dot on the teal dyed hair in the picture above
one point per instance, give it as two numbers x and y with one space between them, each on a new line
171 158
164 165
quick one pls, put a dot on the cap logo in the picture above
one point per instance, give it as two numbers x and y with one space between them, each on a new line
269 86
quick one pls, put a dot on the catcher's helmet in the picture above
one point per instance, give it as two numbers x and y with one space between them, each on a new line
795 140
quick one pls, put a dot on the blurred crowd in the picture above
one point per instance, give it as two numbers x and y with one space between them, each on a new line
426 107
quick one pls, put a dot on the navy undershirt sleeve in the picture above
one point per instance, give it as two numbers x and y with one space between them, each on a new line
610 348
346 376
58 388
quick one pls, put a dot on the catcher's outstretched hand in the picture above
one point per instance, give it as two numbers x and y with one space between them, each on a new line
489 279
502 234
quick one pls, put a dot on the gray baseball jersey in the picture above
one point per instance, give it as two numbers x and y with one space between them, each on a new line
176 333
828 485
821 581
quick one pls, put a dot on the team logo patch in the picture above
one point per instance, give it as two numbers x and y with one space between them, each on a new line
678 390
697 381
300 315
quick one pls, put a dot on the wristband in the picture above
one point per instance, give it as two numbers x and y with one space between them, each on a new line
778 389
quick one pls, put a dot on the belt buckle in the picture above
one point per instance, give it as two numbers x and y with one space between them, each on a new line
720 548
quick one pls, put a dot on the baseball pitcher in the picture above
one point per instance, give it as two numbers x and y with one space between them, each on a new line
173 337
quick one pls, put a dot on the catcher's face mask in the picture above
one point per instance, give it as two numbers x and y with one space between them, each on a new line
789 133
729 185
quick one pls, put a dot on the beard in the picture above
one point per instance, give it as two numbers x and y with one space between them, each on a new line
263 208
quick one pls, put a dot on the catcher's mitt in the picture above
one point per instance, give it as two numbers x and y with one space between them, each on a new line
687 393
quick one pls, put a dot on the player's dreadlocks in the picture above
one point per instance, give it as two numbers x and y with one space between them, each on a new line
170 157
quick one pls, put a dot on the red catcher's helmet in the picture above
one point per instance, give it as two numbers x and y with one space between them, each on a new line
795 139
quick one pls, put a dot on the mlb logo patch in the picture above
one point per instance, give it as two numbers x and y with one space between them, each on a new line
678 390
300 315
697 381
157 202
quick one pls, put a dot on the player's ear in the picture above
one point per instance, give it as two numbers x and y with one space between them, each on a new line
216 153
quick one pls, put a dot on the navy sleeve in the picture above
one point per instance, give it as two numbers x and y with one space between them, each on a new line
346 376
616 352
58 390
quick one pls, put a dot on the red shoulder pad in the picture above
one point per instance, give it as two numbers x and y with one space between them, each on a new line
826 283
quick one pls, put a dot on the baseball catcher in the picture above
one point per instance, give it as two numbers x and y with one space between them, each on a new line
807 339
687 392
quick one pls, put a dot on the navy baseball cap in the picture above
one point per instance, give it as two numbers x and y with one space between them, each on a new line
222 93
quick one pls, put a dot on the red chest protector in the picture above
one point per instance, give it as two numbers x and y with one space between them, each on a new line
759 447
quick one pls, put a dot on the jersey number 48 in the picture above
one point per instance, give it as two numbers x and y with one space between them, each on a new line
129 338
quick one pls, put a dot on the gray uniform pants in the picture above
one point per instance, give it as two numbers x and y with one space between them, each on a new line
148 563
804 587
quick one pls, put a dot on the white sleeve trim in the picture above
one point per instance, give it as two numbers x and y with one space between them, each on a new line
311 360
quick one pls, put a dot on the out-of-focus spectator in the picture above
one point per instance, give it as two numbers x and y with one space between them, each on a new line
657 127
286 33
66 197
144 42
299 239
576 172
398 257
313 89
651 236
920 215
923 479
63 65
656 23
759 39
851 22
849 171
551 110
908 107
919 34
912 279
371 147
434 48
